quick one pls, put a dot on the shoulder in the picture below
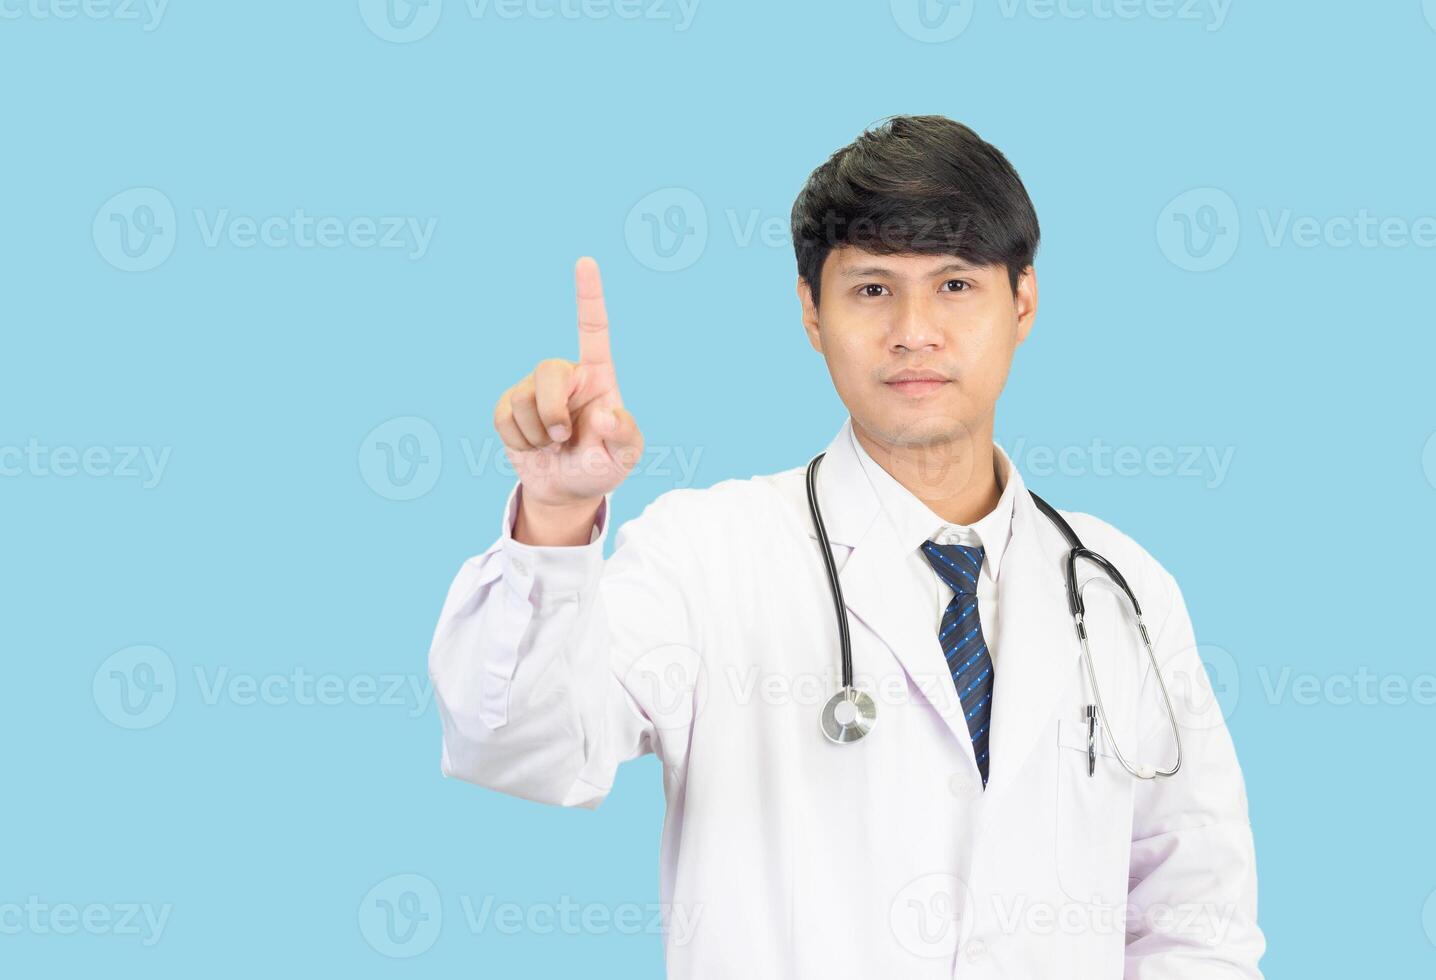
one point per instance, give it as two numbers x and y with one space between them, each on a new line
1154 586
737 505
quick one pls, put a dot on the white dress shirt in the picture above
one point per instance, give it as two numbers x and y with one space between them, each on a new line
915 523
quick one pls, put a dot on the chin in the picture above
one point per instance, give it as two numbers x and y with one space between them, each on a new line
921 428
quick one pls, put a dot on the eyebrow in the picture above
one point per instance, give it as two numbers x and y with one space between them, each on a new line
880 270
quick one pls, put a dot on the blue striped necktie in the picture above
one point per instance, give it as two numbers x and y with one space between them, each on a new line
960 637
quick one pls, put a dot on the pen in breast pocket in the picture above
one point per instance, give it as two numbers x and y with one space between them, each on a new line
1091 739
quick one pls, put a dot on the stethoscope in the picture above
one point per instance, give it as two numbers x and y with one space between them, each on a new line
850 713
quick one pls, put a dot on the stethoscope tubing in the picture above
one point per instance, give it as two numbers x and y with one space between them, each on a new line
844 640
1076 606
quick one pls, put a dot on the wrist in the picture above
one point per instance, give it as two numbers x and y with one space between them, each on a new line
544 523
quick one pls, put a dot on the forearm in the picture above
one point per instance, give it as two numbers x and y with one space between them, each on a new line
1193 891
547 662
518 635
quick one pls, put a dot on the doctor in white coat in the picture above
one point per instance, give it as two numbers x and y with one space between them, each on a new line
966 834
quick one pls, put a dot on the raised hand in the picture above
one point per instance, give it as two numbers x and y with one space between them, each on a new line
563 426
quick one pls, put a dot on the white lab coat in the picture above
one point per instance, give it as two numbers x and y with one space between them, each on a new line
709 637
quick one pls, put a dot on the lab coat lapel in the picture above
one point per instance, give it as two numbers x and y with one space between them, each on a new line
1037 645
878 586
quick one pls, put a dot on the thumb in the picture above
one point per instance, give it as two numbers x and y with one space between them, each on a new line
591 382
620 435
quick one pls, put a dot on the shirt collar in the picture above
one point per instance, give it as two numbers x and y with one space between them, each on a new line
915 522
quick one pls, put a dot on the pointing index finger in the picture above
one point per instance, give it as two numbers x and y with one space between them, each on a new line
592 316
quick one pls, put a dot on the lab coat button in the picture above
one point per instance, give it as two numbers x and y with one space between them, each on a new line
976 950
958 784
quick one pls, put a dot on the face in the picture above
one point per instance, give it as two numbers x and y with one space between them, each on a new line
918 346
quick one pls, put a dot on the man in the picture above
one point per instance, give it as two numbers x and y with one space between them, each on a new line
981 828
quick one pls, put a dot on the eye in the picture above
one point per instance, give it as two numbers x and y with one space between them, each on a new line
863 289
963 285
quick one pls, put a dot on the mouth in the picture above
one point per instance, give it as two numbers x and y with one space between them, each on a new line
917 385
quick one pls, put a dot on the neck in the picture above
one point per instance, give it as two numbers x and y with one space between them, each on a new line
957 480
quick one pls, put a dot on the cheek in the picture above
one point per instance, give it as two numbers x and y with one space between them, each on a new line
978 353
988 342
989 371
849 352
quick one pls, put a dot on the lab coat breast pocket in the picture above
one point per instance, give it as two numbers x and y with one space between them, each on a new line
1094 818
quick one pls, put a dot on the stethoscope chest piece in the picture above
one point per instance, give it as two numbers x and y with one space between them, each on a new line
848 715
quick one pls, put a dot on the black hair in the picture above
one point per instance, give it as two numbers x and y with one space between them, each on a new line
916 184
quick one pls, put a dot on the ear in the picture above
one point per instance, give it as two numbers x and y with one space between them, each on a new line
1026 302
810 315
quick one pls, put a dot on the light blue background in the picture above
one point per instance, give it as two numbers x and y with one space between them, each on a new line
274 539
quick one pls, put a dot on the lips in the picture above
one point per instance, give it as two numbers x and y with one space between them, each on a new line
917 386
916 382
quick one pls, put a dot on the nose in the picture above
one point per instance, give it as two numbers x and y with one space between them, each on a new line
912 329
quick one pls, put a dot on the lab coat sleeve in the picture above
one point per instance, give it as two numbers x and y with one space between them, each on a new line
544 659
1192 902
